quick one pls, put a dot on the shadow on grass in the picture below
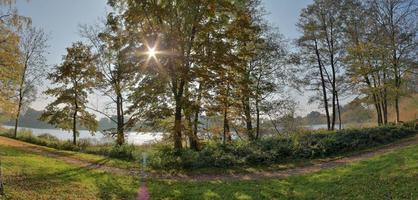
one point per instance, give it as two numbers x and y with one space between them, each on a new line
30 178
393 176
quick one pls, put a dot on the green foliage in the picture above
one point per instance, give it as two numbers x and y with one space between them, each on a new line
303 145
75 77
10 69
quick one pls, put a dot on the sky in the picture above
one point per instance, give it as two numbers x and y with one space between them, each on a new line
61 18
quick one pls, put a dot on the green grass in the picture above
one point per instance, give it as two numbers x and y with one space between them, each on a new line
30 176
393 176
114 162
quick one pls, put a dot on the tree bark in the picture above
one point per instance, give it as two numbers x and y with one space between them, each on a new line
248 119
19 107
178 118
21 95
75 114
226 132
195 144
75 125
120 140
226 128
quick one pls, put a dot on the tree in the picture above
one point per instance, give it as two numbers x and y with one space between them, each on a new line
33 44
172 29
10 68
280 113
322 43
381 50
76 77
112 45
397 21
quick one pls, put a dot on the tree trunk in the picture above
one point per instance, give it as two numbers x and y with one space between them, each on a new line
75 115
384 109
16 126
397 109
248 120
195 144
226 128
120 140
75 126
379 113
324 90
177 125
338 110
1 180
20 103
226 132
257 135
334 93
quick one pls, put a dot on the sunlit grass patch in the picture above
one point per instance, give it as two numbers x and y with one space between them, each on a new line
30 176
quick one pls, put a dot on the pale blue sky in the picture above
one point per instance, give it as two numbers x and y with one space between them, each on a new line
60 19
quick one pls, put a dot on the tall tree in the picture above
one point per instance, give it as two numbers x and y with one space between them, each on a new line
112 46
398 22
76 77
171 28
33 44
323 42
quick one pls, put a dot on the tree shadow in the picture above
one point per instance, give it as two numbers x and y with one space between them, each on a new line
109 186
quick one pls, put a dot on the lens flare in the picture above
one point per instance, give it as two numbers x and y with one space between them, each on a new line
151 52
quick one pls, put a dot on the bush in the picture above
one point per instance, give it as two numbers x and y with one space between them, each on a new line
125 151
274 150
303 145
412 124
48 137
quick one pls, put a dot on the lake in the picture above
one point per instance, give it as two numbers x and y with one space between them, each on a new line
137 138
322 126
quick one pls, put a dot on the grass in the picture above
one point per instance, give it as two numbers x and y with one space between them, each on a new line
114 162
30 176
126 152
392 176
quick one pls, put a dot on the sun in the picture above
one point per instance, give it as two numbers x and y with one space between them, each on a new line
151 52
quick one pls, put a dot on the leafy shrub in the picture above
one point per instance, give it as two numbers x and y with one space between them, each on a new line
303 145
125 151
48 137
412 124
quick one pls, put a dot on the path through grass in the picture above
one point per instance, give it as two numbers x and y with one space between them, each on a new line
33 175
391 176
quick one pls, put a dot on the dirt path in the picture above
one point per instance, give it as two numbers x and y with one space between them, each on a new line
209 177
